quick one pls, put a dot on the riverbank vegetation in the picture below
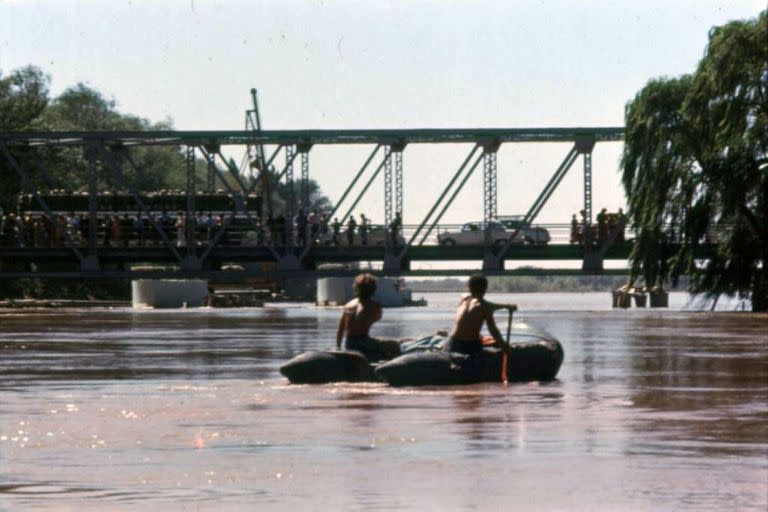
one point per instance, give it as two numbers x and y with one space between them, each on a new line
695 169
525 284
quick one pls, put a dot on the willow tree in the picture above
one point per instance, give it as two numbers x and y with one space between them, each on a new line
695 170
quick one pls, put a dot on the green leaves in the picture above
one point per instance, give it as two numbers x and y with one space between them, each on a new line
693 167
23 97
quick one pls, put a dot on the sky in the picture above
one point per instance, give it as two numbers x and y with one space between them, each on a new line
386 64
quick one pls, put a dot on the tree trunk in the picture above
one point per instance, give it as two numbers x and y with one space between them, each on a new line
760 289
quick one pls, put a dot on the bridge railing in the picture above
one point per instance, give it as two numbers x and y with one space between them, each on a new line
119 230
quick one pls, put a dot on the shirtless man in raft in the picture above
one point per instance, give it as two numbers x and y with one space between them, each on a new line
472 312
356 320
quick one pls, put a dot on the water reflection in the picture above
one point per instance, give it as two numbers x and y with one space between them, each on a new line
650 411
700 385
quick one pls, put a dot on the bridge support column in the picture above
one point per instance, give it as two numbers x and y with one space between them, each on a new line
393 185
395 262
91 261
584 146
492 261
304 204
191 262
490 194
290 206
289 261
490 211
592 262
387 186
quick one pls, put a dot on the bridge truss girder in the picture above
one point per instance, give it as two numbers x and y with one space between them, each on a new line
108 150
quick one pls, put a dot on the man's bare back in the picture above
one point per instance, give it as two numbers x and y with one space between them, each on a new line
472 313
470 316
359 316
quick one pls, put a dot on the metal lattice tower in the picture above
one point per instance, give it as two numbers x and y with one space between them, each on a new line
210 184
251 150
388 215
304 188
290 206
190 224
588 187
489 186
399 183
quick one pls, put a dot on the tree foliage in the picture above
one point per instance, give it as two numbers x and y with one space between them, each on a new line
695 169
25 105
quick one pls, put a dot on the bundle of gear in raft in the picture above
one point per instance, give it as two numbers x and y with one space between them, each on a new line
531 354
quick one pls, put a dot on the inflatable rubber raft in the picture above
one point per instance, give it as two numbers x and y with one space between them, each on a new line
534 355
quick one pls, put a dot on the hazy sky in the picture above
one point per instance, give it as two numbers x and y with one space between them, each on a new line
364 64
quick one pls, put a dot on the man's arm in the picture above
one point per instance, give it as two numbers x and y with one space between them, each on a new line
340 330
491 323
493 306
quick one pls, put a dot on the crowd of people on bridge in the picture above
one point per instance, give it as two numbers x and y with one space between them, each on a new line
119 229
609 228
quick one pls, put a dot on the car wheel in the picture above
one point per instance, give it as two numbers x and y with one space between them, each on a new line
448 242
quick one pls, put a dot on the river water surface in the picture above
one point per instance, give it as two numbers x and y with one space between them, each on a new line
186 410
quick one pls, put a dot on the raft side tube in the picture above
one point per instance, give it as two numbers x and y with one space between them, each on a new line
328 366
539 361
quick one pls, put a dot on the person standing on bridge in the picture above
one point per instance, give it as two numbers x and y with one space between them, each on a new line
336 226
364 223
351 227
356 320
138 229
602 225
313 219
574 230
394 228
472 312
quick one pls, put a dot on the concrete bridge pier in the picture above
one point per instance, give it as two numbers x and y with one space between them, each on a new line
592 262
395 262
90 264
289 261
491 261
191 263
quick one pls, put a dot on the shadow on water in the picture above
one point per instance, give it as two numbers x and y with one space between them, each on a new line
147 345
700 383
650 410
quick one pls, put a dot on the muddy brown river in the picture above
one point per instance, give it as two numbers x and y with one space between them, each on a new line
186 410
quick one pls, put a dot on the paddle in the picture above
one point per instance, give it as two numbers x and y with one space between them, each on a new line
506 349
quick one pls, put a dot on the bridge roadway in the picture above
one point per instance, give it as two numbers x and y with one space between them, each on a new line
318 255
159 262
116 262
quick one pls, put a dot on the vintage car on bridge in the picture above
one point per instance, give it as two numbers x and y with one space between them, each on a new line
473 233
533 235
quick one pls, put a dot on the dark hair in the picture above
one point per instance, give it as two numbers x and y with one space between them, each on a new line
364 286
477 285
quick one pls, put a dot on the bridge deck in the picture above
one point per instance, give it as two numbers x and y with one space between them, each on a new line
133 255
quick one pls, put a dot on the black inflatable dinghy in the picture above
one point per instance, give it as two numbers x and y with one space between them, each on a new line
534 355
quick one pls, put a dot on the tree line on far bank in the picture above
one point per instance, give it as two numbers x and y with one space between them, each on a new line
526 284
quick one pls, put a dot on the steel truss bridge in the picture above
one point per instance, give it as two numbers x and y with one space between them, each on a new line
107 155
